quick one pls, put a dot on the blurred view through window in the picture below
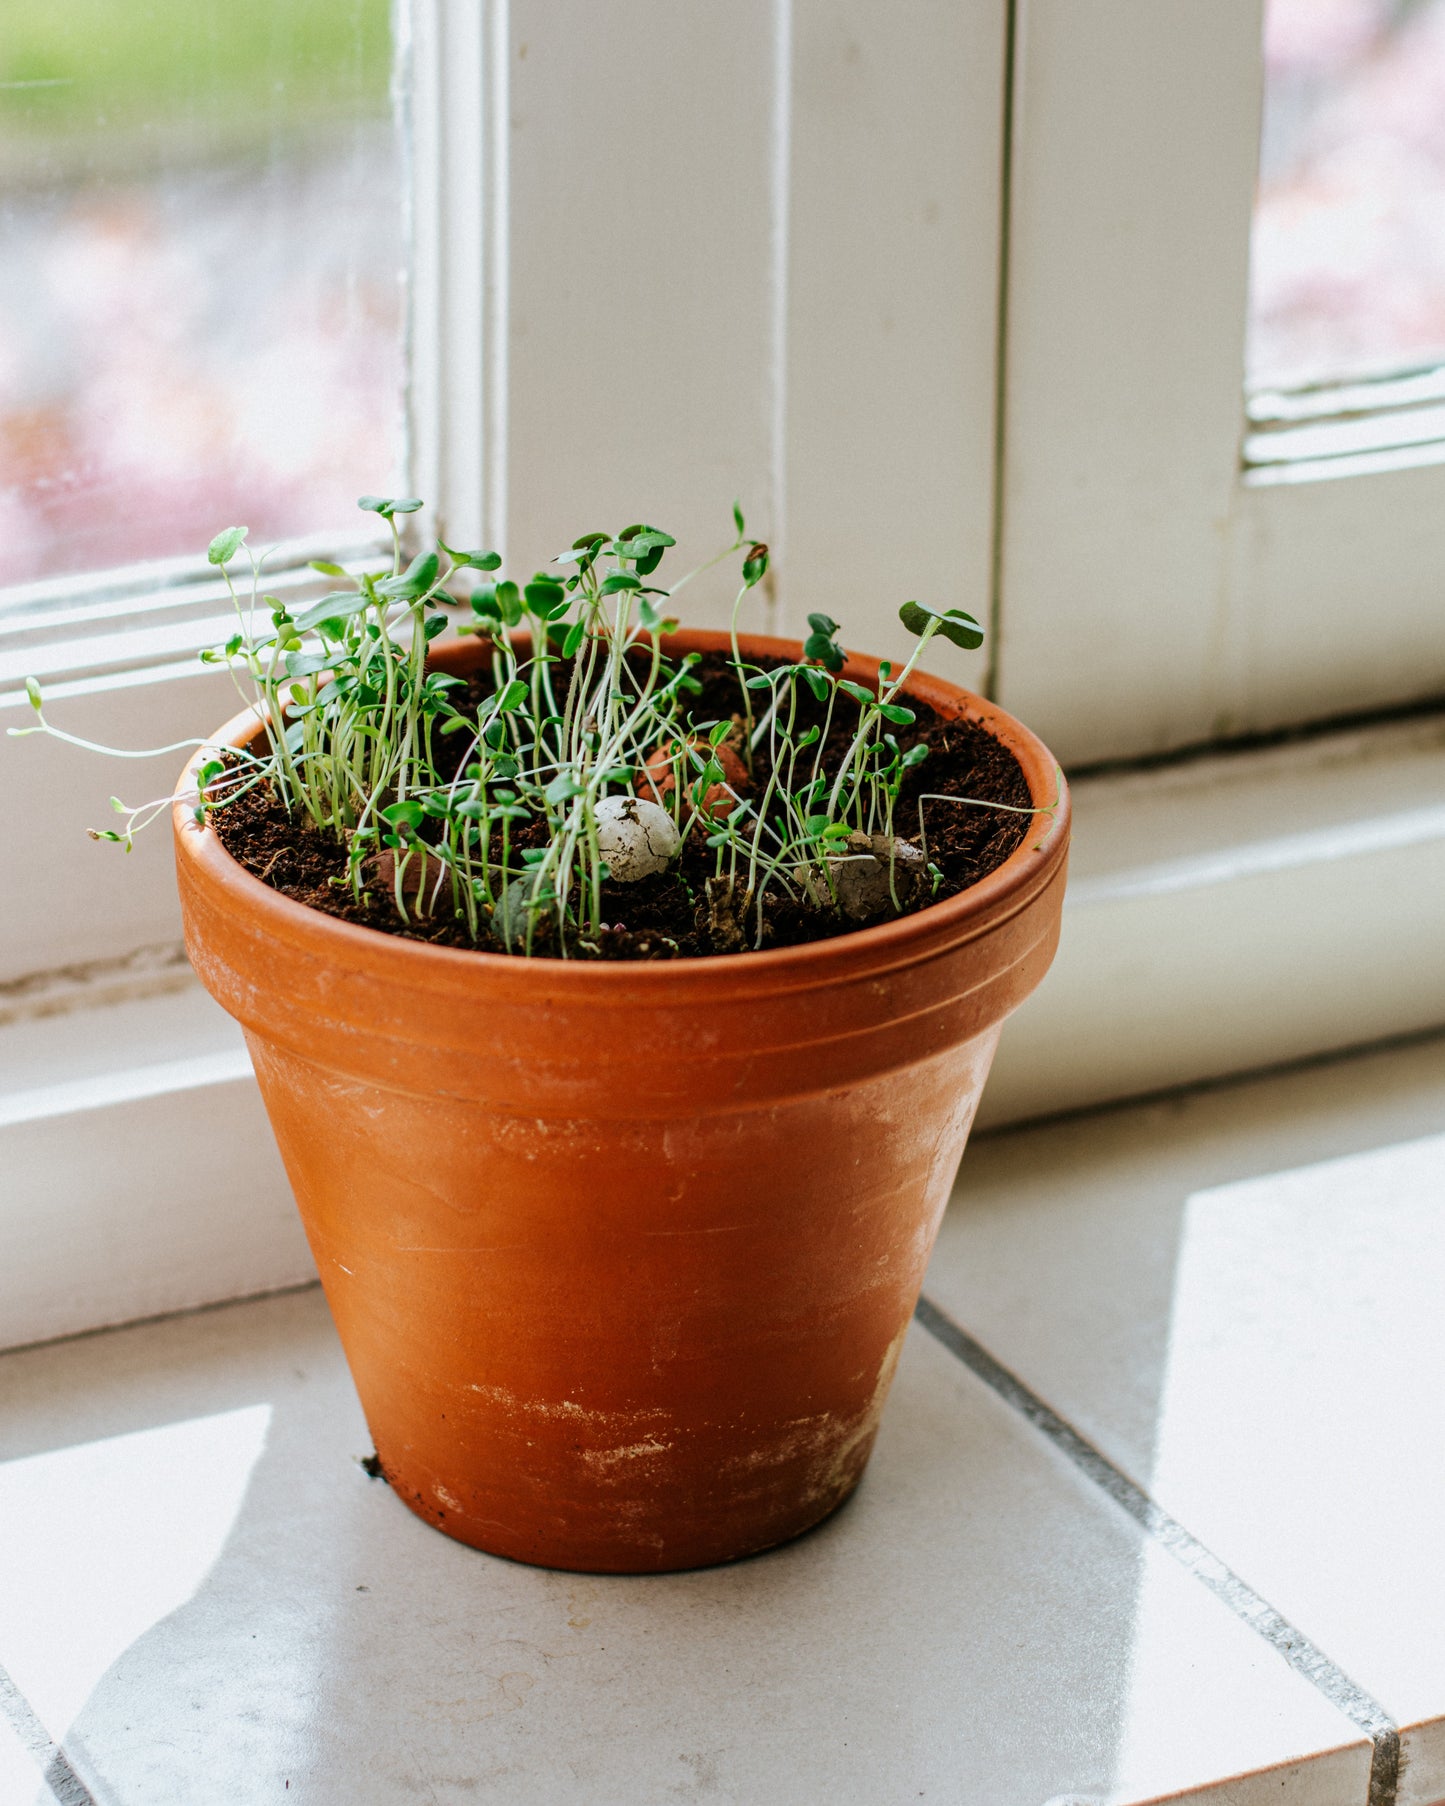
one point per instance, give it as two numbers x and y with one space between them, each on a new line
1348 267
200 275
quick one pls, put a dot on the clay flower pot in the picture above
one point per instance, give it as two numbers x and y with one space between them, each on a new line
623 1255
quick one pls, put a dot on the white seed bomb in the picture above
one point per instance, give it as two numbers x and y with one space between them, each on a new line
864 877
635 837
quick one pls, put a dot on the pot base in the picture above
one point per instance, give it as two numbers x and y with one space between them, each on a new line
524 1550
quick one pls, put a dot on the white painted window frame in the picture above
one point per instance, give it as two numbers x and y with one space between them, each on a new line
1156 590
837 369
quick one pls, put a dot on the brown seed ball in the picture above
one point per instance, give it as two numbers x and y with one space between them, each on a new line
659 778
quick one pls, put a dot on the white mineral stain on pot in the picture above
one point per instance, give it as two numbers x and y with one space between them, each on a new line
620 1423
607 1459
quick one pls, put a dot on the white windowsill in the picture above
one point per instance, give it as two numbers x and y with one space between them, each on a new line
1230 914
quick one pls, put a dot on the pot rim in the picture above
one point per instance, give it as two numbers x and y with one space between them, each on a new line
1030 868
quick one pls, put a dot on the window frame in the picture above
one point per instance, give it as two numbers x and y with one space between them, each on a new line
1155 592
858 211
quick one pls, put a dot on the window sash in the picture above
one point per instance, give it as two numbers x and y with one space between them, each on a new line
1155 591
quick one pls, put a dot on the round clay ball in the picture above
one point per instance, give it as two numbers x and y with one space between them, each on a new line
636 838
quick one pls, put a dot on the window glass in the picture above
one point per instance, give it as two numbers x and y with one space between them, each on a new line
1348 270
200 275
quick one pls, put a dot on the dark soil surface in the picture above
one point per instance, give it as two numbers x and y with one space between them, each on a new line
672 915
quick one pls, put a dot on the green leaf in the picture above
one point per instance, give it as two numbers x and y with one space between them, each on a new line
32 691
512 698
815 824
509 600
619 580
755 565
824 624
640 543
405 815
761 682
326 568
562 788
896 713
472 561
643 546
414 581
544 594
915 756
305 664
816 682
861 696
582 551
738 519
387 505
224 547
712 773
573 639
951 623
339 607
826 651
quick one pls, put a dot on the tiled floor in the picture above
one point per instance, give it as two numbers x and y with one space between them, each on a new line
1186 1549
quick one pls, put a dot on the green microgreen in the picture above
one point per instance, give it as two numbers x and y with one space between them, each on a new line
583 701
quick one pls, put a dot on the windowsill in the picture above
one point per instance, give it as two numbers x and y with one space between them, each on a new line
1231 1296
1230 914
1238 912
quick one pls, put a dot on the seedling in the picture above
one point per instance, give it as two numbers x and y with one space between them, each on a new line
583 762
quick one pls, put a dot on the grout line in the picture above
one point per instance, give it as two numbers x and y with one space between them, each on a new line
1362 1708
66 1787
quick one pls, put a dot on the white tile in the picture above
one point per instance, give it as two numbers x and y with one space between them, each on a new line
979 1625
1238 1297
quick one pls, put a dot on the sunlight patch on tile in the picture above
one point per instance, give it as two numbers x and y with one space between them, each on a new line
105 1539
1178 1694
1296 1279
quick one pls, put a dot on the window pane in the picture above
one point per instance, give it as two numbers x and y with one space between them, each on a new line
200 274
1348 273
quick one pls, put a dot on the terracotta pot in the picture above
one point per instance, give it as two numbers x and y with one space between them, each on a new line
622 1255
